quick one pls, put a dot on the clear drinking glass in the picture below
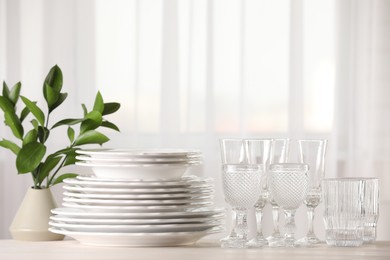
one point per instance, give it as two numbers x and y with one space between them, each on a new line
312 152
258 152
241 186
279 154
344 211
288 184
371 205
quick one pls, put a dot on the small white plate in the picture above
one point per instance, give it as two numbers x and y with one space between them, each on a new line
114 221
135 228
190 189
138 160
105 202
130 153
188 213
137 239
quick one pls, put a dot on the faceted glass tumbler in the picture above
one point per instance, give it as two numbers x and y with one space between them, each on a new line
371 206
344 215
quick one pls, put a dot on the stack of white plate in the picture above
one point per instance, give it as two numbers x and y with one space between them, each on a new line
124 211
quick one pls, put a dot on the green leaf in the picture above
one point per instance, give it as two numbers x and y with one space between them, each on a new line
110 108
71 134
91 137
65 151
70 159
29 157
31 136
14 93
54 79
10 145
85 111
35 124
51 96
5 90
35 110
43 134
63 177
61 98
14 123
92 121
99 104
6 105
110 125
46 167
24 114
69 121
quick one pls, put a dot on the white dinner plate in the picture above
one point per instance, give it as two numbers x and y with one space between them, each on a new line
116 209
96 182
154 196
190 189
135 228
187 213
105 202
137 239
131 153
153 221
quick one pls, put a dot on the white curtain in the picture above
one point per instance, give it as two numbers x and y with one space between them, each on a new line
362 126
188 72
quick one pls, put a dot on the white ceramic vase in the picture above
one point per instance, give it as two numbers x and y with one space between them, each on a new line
31 222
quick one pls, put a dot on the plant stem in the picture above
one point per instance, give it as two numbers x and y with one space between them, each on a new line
58 168
56 171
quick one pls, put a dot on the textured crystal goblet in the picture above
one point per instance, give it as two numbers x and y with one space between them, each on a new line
241 187
288 183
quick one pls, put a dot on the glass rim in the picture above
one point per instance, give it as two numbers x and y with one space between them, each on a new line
231 139
313 140
290 166
351 179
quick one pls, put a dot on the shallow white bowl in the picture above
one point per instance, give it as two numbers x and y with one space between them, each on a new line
131 171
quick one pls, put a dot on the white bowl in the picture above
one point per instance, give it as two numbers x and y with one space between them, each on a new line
141 171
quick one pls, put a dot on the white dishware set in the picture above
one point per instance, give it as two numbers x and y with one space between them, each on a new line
138 198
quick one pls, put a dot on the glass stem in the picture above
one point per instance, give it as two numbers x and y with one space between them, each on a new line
241 223
290 227
275 217
259 221
233 232
310 218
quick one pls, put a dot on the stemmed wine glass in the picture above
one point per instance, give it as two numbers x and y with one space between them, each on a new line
288 183
279 154
258 152
241 186
312 152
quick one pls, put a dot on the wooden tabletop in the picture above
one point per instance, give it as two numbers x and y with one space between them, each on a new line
204 249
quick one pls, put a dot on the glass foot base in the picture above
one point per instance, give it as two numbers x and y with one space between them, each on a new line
276 241
257 242
309 241
233 242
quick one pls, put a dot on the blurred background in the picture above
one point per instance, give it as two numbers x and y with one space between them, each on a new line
188 72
